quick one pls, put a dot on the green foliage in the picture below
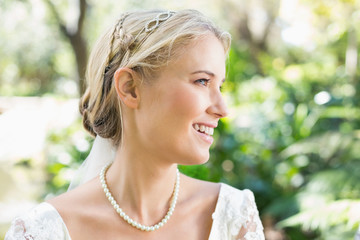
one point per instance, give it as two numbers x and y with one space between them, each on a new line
298 154
67 149
329 203
336 220
196 171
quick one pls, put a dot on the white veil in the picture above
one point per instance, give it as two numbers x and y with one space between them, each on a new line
102 153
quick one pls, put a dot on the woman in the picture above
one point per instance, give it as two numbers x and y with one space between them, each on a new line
154 93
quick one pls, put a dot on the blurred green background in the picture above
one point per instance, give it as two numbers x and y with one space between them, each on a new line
292 137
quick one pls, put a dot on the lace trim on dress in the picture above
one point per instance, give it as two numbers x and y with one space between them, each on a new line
236 216
41 223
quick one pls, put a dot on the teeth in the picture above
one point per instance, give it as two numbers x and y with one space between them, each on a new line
204 129
211 132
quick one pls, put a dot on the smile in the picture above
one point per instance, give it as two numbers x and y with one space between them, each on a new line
204 129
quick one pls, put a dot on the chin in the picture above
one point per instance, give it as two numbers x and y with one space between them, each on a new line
196 160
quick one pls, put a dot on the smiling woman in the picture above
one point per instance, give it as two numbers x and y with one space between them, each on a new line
153 99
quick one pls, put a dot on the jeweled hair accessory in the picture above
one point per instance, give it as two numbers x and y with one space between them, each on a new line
148 28
154 23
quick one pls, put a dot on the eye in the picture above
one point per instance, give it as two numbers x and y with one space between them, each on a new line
203 81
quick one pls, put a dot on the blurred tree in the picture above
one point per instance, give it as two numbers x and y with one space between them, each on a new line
32 66
74 34
249 30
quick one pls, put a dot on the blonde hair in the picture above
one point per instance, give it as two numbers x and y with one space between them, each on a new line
127 45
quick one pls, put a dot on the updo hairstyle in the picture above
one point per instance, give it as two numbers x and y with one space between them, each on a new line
127 45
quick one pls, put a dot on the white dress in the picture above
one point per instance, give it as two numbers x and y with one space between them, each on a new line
235 218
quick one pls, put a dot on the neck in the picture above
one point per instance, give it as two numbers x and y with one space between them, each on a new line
142 185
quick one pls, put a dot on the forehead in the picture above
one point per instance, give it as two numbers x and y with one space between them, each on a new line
205 53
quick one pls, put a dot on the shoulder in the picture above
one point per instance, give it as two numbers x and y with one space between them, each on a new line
199 190
235 204
78 201
235 197
83 207
41 222
236 214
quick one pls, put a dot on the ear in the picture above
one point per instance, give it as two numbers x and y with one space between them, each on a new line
126 87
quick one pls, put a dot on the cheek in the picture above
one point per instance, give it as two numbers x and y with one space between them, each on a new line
184 104
171 111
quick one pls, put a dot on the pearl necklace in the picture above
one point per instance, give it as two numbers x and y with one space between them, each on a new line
126 217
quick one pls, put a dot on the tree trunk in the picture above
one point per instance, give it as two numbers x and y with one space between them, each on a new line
79 46
76 40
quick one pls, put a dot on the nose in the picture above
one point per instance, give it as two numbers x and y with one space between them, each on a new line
218 106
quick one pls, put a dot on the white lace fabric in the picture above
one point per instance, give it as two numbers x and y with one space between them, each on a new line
235 218
41 223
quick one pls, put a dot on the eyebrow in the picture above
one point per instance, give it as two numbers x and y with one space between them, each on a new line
206 72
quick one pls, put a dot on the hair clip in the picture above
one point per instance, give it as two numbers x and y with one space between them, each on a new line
149 26
154 23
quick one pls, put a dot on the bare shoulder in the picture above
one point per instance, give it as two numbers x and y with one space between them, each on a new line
78 202
202 191
200 184
84 210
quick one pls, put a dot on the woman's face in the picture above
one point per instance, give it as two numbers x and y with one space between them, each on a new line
179 110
